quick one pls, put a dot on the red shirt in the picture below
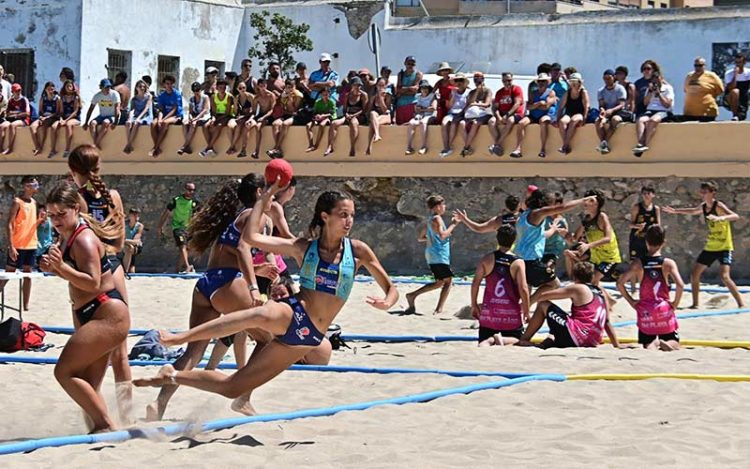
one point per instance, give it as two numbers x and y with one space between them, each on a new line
505 99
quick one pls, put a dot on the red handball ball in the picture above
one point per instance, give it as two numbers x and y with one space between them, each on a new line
279 168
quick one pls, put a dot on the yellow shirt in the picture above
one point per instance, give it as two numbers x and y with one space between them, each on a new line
608 253
719 232
701 93
24 226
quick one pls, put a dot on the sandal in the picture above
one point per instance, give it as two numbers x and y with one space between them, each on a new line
542 154
516 154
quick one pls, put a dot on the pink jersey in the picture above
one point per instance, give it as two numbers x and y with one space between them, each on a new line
655 312
586 322
501 309
259 257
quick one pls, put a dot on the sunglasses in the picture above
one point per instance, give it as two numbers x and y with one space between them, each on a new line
699 65
646 68
411 63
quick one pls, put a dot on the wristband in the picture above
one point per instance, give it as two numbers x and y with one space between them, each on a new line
253 287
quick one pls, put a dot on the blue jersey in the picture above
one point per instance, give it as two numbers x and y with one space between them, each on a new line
438 251
530 241
334 279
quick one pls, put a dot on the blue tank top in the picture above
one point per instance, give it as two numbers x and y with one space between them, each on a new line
131 232
68 107
137 105
334 279
49 106
536 97
530 241
438 251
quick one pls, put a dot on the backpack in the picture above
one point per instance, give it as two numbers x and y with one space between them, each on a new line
16 335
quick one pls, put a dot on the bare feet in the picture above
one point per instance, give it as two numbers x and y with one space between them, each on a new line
410 300
165 375
152 412
243 406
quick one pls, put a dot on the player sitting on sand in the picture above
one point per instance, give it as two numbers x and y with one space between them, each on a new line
657 323
719 245
505 307
588 318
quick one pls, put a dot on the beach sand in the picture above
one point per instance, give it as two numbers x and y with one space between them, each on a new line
576 424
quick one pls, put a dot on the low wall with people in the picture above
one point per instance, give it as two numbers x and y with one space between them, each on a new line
688 150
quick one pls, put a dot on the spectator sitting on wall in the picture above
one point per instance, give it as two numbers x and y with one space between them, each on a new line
737 82
355 115
4 85
302 82
66 73
478 112
324 112
133 240
407 89
275 82
648 68
658 101
568 71
508 111
122 87
542 106
17 114
572 111
169 113
385 73
611 97
621 76
181 209
265 101
541 68
325 77
70 101
199 114
244 122
456 107
291 101
344 91
380 111
140 113
443 88
426 112
246 76
232 81
559 83
212 78
702 87
108 101
222 113
368 81
50 110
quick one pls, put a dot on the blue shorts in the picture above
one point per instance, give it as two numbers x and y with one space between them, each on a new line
213 279
100 119
301 330
26 257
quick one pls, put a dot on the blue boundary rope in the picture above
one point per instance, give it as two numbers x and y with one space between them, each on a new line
176 429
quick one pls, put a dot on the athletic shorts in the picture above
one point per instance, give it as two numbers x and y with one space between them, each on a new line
539 272
482 120
646 339
707 258
536 119
487 332
664 115
100 120
637 248
180 237
26 257
441 271
611 270
557 321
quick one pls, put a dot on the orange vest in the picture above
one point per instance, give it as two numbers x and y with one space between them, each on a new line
24 226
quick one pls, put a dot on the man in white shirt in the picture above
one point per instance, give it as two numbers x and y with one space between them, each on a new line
108 101
737 81
4 85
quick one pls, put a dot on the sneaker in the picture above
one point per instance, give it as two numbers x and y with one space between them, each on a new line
735 119
604 148
66 153
422 150
516 154
446 153
409 151
203 153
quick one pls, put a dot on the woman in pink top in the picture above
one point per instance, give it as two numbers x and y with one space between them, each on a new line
657 322
588 318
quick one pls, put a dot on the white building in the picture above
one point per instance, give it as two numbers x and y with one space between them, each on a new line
97 38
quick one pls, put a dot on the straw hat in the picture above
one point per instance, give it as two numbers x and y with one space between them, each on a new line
445 66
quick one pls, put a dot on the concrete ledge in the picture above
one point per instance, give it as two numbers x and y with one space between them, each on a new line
685 150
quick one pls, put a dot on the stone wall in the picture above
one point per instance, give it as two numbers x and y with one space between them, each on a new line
389 211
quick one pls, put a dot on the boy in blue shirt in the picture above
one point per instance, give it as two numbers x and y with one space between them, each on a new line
170 112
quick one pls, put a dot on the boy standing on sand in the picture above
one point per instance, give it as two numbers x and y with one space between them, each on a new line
437 252
505 306
657 323
719 245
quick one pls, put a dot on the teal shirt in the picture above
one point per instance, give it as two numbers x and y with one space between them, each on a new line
555 244
45 236
438 251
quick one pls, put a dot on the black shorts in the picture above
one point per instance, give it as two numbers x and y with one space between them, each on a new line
228 340
481 120
180 237
539 272
264 284
536 119
557 321
441 271
708 257
645 339
487 332
637 247
626 116
26 257
611 270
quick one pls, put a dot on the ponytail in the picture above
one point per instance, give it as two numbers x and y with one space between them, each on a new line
327 201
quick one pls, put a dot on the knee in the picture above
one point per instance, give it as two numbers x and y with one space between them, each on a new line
725 278
447 282
62 373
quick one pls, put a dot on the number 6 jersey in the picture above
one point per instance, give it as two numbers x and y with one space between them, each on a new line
501 309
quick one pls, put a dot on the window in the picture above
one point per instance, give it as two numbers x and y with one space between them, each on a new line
168 65
651 4
215 63
664 5
118 61
20 64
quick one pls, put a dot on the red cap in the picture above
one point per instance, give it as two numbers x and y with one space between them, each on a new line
15 87
532 188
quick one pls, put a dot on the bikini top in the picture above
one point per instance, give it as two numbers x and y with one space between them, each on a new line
103 262
334 279
231 235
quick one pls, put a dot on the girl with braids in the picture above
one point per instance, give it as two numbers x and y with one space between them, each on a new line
101 316
328 259
104 207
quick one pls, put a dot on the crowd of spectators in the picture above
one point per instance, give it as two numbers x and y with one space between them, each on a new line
323 102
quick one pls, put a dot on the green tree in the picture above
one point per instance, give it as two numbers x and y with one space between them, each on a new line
277 38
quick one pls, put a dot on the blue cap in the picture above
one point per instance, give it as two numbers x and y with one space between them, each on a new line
410 58
609 71
105 83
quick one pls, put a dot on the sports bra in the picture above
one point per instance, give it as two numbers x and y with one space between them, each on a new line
231 235
103 262
334 279
97 206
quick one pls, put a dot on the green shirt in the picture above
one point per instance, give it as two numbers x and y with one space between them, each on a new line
322 107
182 210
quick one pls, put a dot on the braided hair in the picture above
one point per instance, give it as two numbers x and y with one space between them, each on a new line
214 217
327 201
84 160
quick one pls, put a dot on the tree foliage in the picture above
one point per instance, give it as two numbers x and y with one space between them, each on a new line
276 38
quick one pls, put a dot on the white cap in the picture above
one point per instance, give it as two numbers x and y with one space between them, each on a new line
212 70
325 57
